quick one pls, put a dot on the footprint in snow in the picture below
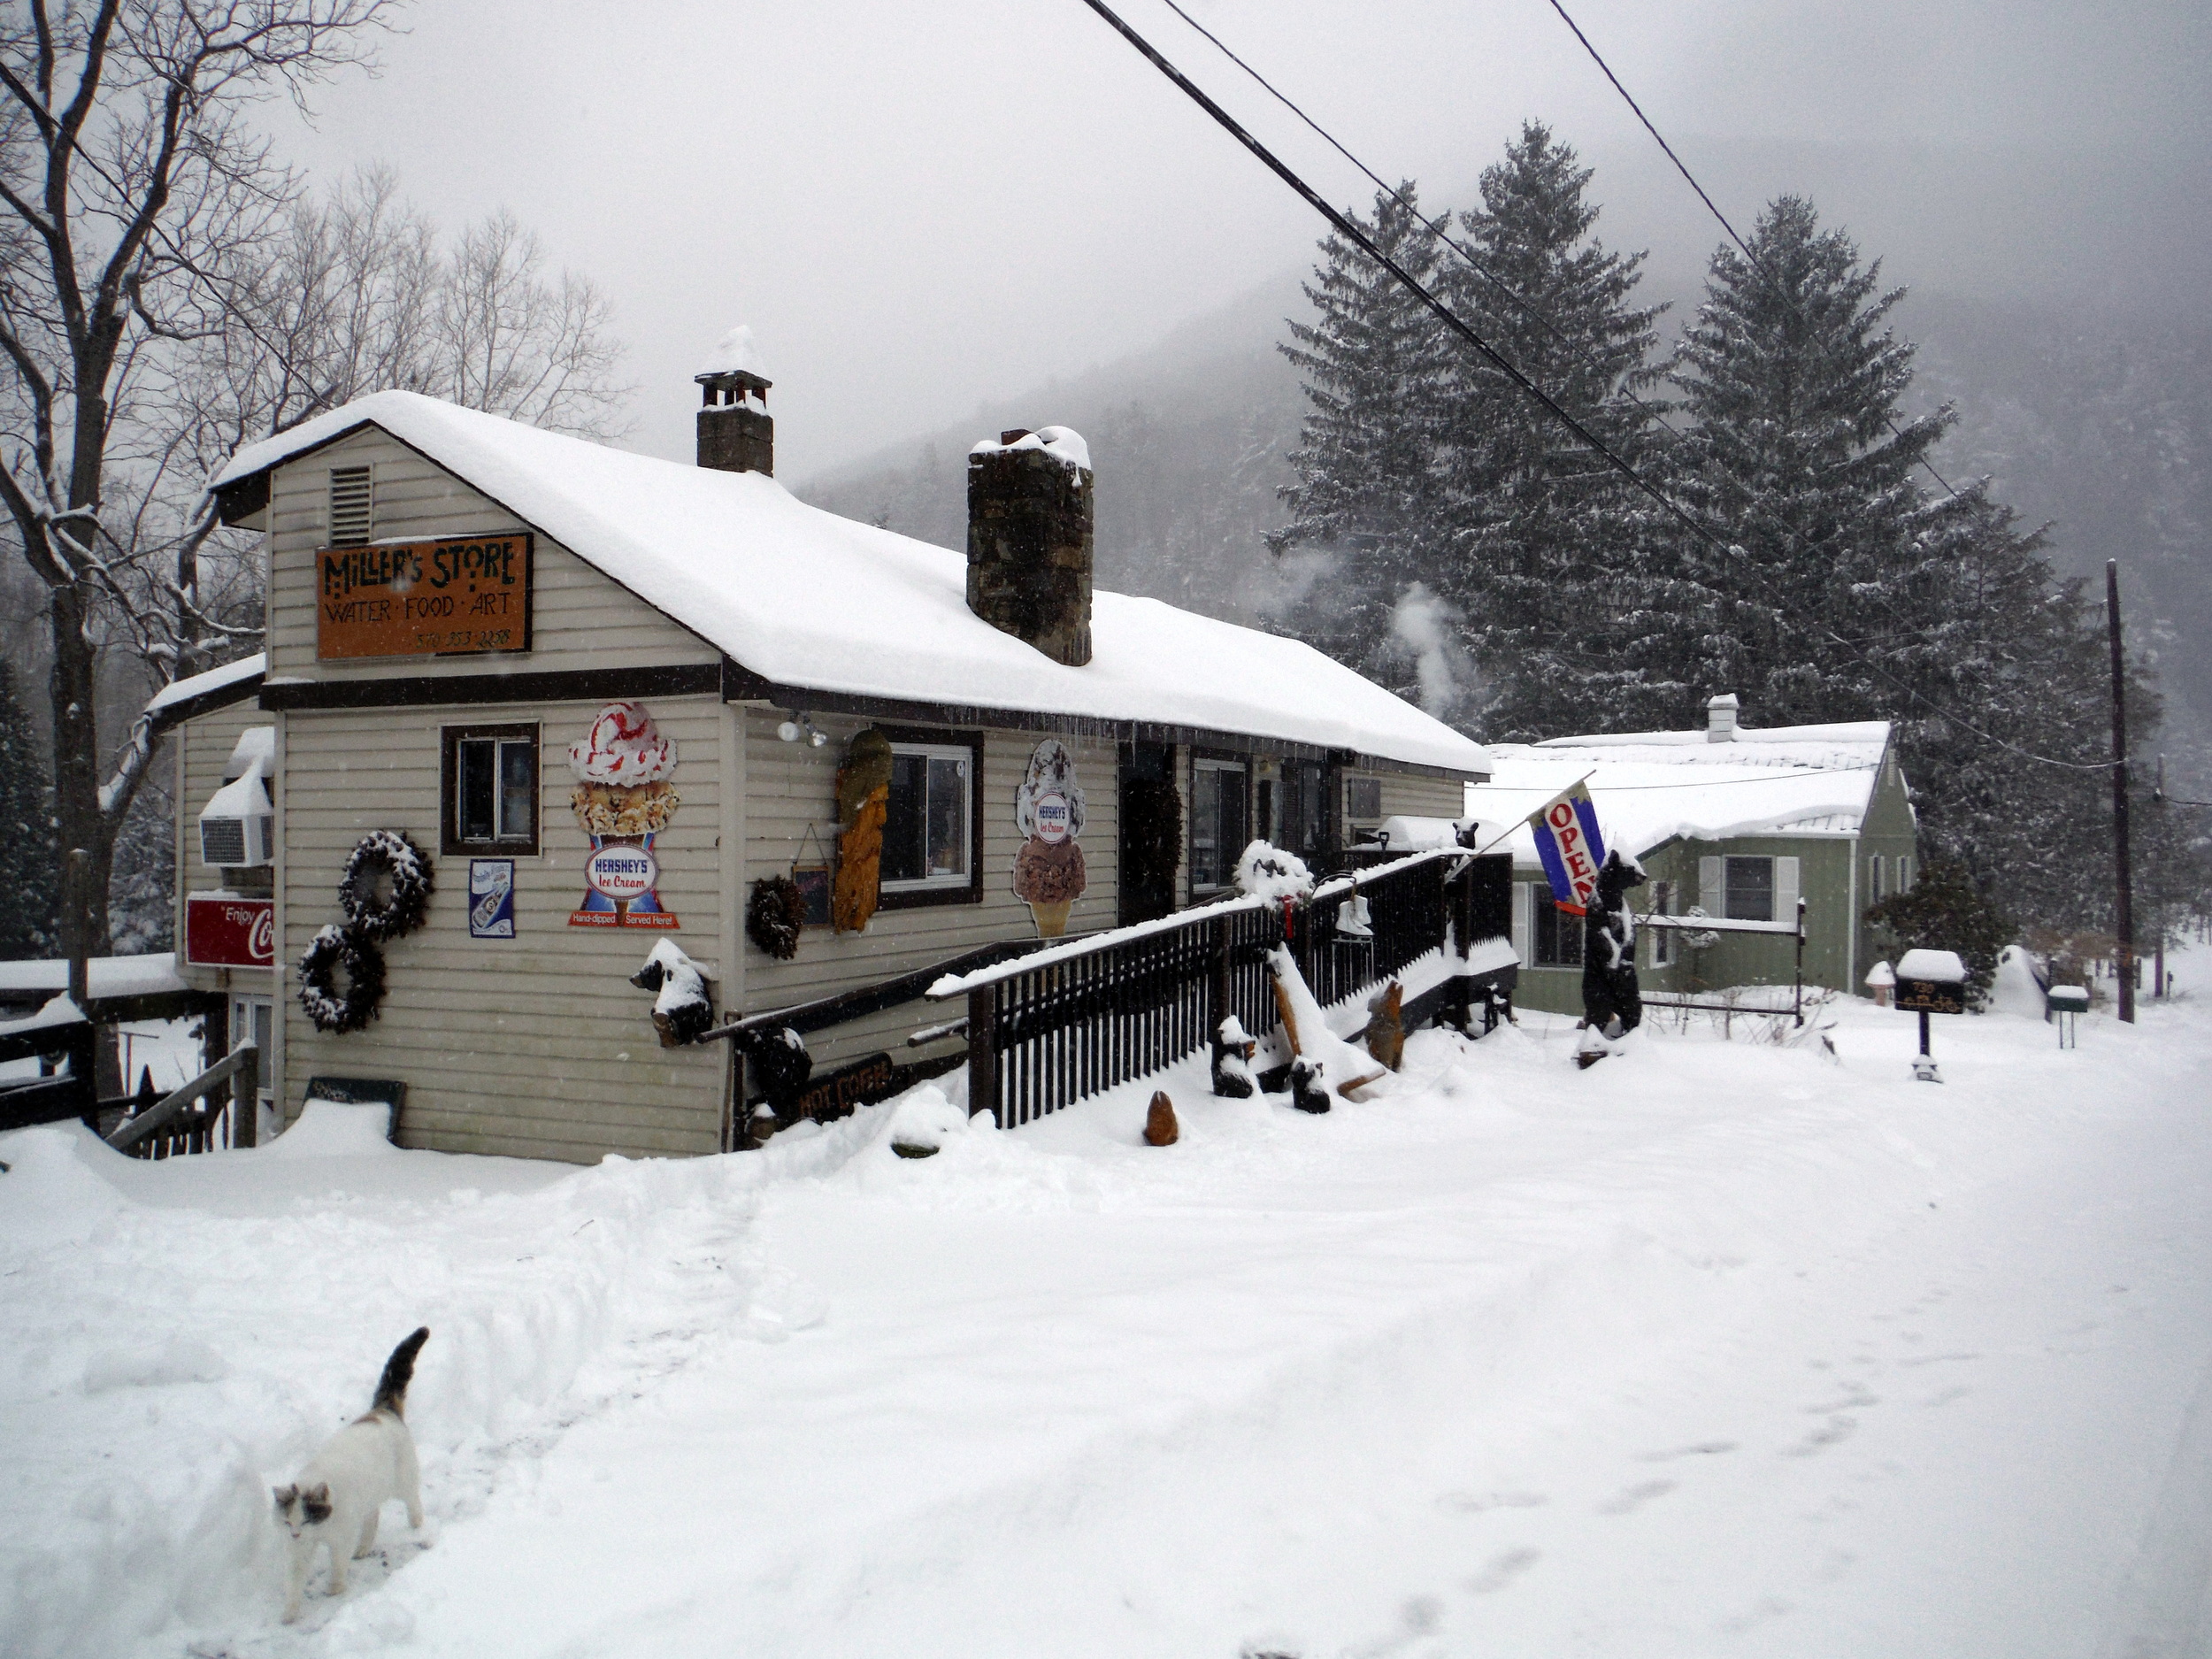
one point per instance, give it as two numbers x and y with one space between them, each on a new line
1503 1569
1634 1498
1853 1400
1703 1449
1834 1431
1473 1503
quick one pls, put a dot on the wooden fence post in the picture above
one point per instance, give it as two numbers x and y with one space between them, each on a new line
1218 982
245 1099
982 1056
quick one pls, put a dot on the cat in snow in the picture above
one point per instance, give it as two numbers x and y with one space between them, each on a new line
366 1465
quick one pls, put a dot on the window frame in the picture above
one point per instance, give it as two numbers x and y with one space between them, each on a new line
1877 883
926 891
1662 899
1215 761
1729 889
1541 900
449 741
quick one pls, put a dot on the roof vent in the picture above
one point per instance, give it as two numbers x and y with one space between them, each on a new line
1720 718
1029 540
735 434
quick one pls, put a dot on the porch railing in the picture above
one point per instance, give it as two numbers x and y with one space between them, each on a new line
199 1117
1048 1029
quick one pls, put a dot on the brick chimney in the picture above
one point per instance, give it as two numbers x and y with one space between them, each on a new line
1720 718
735 434
1029 540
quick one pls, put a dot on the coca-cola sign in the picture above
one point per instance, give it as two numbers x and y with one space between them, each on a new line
227 933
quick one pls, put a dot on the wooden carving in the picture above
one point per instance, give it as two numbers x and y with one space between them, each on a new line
1387 1027
864 797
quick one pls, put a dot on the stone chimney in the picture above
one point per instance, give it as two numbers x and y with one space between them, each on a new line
1720 718
1029 540
735 434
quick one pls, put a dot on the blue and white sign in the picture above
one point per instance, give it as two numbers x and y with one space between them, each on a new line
491 898
1568 841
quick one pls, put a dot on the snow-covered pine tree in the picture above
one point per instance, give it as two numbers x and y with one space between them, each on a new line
1365 502
1801 456
29 872
1548 567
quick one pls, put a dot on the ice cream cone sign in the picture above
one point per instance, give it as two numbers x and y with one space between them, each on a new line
623 799
1049 873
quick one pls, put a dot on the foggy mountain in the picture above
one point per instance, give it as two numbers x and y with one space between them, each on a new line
2094 416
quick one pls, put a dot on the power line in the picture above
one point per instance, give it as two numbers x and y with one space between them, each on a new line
1359 238
1352 233
1773 281
1434 226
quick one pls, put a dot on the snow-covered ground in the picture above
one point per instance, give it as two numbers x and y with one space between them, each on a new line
1716 1348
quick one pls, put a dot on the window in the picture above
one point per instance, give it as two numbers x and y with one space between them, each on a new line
1558 935
1874 879
1750 890
1661 938
1362 800
930 854
490 792
1218 836
1904 875
352 498
1298 823
925 829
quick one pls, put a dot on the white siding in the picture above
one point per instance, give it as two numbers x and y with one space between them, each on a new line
536 1046
580 619
204 745
790 786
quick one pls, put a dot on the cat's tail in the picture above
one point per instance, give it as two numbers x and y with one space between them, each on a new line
399 1370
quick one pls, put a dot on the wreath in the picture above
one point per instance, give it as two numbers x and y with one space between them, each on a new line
385 855
351 949
775 915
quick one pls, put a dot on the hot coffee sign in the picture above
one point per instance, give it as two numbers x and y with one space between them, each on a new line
229 932
454 596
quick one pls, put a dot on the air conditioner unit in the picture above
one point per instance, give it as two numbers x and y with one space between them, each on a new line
238 824
236 843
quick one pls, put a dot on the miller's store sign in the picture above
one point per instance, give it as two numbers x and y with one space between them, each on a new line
229 932
456 595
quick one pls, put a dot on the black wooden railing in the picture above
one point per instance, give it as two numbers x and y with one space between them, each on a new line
1139 999
60 1093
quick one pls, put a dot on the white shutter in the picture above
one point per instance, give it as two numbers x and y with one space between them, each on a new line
1786 890
1524 911
1712 885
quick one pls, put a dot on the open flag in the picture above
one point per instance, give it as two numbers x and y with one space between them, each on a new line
1568 841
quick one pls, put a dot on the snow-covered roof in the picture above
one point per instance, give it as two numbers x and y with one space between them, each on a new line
808 600
196 685
148 975
1652 786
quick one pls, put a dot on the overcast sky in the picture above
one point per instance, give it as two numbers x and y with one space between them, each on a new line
921 205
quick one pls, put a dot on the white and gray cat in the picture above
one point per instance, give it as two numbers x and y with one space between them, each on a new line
366 1465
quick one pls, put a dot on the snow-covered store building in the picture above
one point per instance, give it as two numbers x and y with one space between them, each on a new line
1728 822
612 699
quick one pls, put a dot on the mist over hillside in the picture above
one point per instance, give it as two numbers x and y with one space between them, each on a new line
2094 417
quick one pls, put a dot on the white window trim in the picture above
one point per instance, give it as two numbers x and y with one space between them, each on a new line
966 755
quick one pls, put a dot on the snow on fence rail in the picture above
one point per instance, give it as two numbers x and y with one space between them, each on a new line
1049 1028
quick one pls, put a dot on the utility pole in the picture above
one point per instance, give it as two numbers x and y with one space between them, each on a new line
2123 864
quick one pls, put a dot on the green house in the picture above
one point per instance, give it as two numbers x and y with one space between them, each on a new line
1727 822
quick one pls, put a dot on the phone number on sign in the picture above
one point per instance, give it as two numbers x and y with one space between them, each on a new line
465 640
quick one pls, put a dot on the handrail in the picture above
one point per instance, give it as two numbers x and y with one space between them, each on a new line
242 1062
865 999
1335 886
